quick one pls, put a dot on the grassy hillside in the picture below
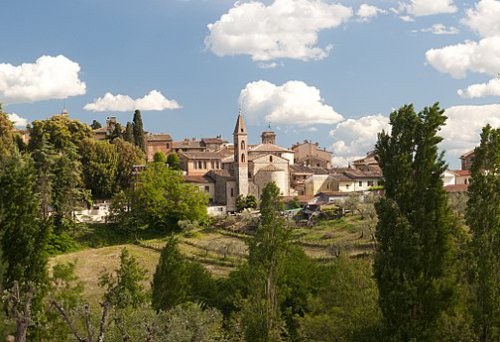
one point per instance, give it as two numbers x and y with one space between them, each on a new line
219 249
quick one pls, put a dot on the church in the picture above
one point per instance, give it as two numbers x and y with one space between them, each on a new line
247 170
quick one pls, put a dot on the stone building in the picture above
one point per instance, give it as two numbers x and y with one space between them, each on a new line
310 154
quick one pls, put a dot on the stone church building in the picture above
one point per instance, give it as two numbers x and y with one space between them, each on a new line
247 170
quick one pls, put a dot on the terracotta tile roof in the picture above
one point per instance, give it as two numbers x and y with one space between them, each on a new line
302 198
198 179
467 154
213 141
335 193
271 168
187 144
462 172
201 155
158 137
295 168
268 148
220 173
456 188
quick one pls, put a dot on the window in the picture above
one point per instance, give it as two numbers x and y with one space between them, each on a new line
199 164
243 157
243 145
271 159
207 188
212 164
347 186
232 192
204 164
168 145
360 183
371 183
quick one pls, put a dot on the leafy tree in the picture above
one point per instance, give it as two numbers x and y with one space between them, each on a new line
163 199
159 157
294 203
23 232
483 219
173 161
95 124
128 156
6 133
125 288
347 308
170 281
414 260
128 136
262 319
100 167
246 202
178 280
116 133
139 138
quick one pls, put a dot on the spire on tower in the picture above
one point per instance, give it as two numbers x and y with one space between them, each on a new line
240 127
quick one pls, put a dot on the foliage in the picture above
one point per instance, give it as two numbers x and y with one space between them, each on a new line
294 203
23 232
246 202
95 124
414 261
125 288
159 157
128 135
347 309
100 167
128 156
261 315
139 138
116 133
177 280
6 134
483 219
173 161
161 199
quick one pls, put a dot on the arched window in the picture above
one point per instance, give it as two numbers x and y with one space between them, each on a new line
232 192
243 145
243 157
271 159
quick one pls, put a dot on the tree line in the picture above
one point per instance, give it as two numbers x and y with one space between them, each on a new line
433 276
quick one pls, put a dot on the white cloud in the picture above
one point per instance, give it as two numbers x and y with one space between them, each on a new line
294 102
154 101
439 29
406 18
491 88
457 60
366 12
283 29
356 137
463 127
419 8
17 120
48 78
484 19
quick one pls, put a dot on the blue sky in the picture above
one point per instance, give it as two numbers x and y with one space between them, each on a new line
316 69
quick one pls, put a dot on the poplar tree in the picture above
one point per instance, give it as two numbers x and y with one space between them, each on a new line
6 133
262 319
129 133
414 260
483 218
139 131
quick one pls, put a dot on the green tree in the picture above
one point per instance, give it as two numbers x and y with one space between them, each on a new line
23 231
116 133
414 260
159 157
262 319
128 156
6 133
347 308
125 288
170 281
482 216
95 124
100 167
163 199
128 136
173 161
138 129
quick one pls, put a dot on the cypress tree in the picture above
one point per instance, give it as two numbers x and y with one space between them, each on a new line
139 131
129 133
483 218
414 258
95 124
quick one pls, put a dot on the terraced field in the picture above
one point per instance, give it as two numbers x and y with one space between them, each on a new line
221 249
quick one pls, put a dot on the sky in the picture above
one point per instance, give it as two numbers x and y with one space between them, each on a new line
327 71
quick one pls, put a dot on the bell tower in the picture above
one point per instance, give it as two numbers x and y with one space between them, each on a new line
241 156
